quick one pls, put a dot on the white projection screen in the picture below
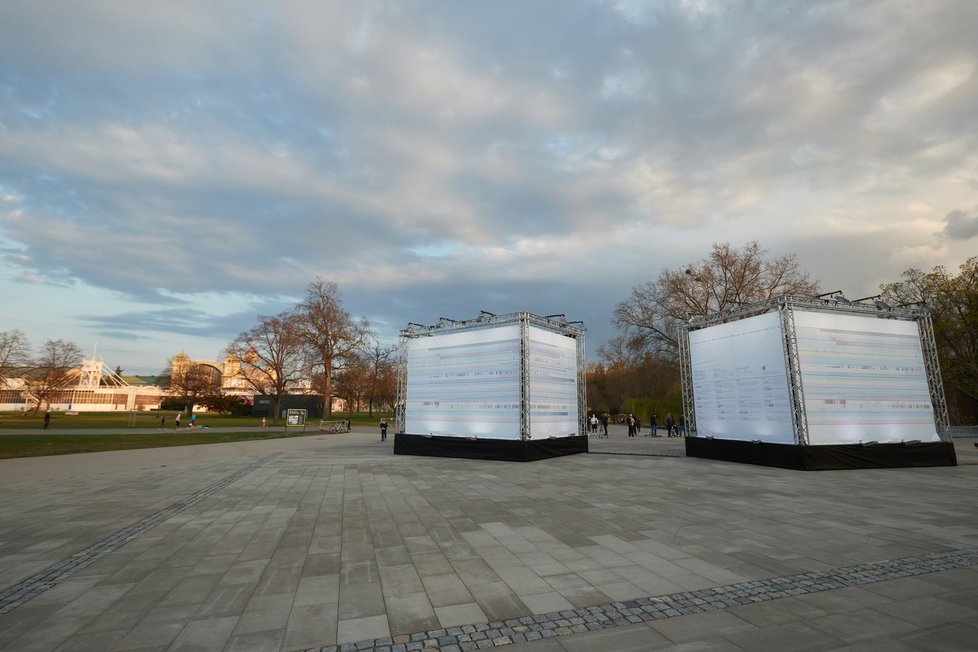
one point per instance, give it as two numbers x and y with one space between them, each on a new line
464 384
552 372
863 379
740 381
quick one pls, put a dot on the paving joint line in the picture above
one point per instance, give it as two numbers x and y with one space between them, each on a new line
627 612
16 595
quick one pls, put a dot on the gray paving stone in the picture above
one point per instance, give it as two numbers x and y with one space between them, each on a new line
349 513
360 601
265 613
358 629
311 626
255 642
410 613
445 590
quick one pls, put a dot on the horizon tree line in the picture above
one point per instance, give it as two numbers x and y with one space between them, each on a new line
317 346
638 370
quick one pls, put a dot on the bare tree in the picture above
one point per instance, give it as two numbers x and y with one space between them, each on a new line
352 382
382 375
619 356
15 353
190 381
330 333
953 302
728 277
271 356
51 372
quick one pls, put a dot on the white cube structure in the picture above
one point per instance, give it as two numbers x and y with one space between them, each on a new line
495 387
815 384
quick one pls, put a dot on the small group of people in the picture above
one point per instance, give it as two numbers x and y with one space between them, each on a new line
176 421
593 425
673 427
634 425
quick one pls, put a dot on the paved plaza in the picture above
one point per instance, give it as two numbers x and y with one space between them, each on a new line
332 542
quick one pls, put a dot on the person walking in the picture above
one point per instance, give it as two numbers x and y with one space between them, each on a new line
383 430
670 422
47 418
176 421
162 422
604 424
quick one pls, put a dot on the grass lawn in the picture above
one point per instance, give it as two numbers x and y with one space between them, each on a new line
62 442
150 420
37 445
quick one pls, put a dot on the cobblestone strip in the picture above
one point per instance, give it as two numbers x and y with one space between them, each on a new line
627 612
16 595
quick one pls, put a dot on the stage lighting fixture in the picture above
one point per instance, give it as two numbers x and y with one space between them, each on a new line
840 299
881 305
821 296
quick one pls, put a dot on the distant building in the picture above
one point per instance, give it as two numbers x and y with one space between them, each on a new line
92 388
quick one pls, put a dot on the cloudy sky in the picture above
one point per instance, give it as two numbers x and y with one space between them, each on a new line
170 170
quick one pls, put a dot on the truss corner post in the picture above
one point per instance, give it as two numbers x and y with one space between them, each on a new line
935 383
686 381
581 388
799 415
525 405
401 400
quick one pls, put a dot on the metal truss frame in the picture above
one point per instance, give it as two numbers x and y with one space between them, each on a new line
786 305
686 381
553 323
799 415
400 401
934 381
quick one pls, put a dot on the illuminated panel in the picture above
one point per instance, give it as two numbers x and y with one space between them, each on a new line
552 371
464 384
863 379
740 383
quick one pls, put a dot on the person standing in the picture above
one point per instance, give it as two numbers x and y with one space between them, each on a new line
630 420
670 422
47 418
383 430
176 421
653 425
604 424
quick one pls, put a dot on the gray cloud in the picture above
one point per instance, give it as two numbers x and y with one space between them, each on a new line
961 225
448 157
